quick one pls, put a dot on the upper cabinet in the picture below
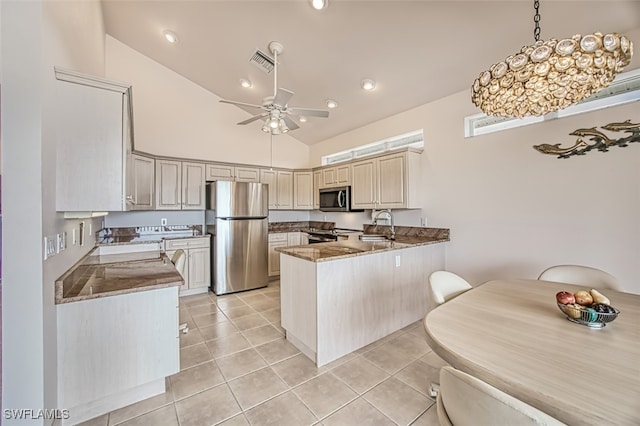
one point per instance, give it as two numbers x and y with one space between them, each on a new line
388 181
142 182
303 190
180 185
220 172
336 176
94 142
230 172
317 177
280 188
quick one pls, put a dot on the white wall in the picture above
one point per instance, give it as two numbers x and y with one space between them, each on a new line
35 37
513 211
175 117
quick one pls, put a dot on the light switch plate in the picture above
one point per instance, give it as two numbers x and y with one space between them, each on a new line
49 247
61 240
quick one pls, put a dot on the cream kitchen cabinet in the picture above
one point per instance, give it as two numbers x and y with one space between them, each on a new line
197 270
317 176
143 182
388 181
336 176
220 172
283 239
303 190
232 173
276 240
94 140
280 188
180 185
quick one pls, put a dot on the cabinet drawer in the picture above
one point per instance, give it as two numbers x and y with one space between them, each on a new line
280 236
186 243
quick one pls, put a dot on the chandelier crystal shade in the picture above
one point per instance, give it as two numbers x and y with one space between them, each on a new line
550 75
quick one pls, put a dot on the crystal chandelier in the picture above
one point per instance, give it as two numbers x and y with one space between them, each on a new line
550 75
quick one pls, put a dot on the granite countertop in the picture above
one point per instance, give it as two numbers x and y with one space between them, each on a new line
97 276
350 248
304 226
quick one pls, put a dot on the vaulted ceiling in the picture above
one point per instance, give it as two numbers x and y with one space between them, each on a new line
416 51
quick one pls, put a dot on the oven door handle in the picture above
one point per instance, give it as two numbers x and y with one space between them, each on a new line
342 196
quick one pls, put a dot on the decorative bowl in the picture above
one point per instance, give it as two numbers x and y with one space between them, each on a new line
587 316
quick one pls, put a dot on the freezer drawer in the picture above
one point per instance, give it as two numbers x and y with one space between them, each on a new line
240 255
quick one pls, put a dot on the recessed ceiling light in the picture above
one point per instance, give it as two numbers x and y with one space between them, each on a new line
170 36
245 83
319 4
331 103
368 84
302 119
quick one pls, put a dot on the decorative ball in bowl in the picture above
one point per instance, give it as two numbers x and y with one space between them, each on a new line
590 308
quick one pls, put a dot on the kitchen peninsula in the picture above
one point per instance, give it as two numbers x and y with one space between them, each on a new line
117 320
338 297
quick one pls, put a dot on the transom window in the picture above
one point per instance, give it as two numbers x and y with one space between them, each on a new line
413 139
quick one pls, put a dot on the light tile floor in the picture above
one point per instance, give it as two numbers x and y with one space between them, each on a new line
237 369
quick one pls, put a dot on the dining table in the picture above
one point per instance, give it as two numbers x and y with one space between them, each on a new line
511 334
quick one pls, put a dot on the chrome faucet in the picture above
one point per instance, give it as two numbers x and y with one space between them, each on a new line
376 216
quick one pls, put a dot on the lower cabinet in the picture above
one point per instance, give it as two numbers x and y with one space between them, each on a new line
197 270
283 239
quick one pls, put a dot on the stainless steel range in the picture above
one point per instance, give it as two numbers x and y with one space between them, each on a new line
321 236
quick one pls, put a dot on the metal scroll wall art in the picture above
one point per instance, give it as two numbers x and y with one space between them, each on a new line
598 140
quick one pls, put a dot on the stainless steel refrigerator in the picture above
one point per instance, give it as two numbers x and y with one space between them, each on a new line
240 252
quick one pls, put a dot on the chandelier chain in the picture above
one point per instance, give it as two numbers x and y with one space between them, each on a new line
536 20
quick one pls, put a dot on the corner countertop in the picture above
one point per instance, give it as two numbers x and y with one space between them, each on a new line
96 275
323 252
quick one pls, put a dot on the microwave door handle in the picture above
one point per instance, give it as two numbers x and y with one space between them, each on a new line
341 198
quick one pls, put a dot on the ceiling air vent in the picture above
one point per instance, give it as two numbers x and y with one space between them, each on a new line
262 61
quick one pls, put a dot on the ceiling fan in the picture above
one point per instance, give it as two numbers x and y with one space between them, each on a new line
276 108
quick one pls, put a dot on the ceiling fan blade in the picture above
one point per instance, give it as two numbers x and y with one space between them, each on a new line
254 118
282 97
309 112
290 123
240 103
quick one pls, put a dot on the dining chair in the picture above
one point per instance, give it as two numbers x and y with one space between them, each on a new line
444 286
179 260
465 400
581 275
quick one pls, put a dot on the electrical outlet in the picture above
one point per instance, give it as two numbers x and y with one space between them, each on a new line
61 240
81 233
397 261
423 222
163 221
49 247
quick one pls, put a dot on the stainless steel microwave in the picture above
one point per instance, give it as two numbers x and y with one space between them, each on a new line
336 199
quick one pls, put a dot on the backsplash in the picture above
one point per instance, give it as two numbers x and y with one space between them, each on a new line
153 218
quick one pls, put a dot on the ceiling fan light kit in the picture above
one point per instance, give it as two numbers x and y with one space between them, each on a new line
276 108
550 75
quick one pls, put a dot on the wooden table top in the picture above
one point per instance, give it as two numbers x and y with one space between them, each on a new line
511 334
